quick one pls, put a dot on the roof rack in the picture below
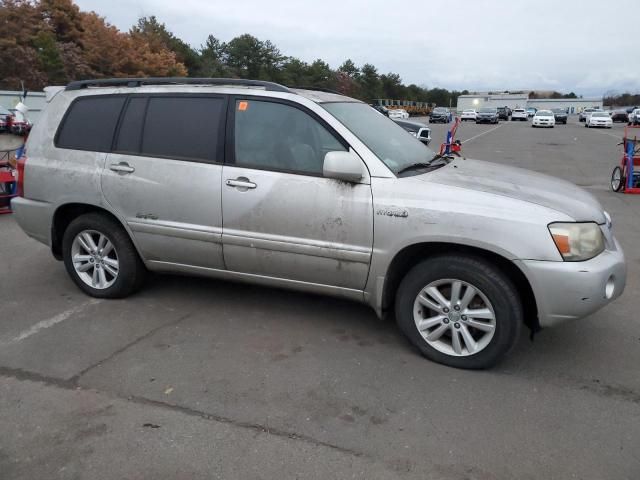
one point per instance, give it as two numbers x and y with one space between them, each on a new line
138 82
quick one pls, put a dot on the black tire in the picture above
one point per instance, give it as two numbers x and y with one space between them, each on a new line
495 285
131 271
616 185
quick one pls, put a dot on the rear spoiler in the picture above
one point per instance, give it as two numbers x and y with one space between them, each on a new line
51 92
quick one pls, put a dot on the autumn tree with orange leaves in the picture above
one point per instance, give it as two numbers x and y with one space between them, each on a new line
53 42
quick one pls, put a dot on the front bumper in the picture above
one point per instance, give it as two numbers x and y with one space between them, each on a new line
572 290
486 119
543 123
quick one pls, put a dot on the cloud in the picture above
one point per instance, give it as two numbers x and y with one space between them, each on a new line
473 44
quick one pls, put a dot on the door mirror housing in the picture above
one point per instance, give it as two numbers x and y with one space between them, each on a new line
345 166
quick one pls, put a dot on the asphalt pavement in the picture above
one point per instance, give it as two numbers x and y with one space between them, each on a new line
199 379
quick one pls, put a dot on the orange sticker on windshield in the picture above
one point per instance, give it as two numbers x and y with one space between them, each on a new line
242 106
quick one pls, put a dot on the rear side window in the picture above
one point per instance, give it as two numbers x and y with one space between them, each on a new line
90 123
188 128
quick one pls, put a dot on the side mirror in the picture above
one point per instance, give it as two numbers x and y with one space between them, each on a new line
344 166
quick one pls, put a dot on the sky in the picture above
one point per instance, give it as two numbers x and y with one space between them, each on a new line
566 45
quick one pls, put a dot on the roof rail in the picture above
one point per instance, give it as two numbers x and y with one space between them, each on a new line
138 82
317 89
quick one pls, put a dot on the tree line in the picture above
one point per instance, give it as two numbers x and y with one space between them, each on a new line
52 42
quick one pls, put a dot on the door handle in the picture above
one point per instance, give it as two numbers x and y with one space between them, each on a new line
241 183
122 167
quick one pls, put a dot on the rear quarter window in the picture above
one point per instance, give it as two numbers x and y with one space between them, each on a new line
90 123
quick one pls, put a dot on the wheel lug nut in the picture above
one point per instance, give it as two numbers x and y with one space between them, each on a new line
464 317
457 307
457 325
446 320
445 310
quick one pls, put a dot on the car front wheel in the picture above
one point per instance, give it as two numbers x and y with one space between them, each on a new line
460 311
100 257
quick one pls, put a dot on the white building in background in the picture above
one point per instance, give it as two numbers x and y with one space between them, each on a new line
521 100
36 102
479 100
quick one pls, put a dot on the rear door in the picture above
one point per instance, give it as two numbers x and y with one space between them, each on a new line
164 176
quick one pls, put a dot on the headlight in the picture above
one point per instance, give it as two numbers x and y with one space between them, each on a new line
577 241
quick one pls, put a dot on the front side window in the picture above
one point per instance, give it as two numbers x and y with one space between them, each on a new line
90 123
275 136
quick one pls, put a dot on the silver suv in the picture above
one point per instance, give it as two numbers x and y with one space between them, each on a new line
253 181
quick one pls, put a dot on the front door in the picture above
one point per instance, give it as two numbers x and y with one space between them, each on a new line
164 179
282 218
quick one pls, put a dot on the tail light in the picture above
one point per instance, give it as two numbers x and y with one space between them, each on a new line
22 160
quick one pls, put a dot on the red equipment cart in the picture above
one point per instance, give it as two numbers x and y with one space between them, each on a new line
624 177
8 184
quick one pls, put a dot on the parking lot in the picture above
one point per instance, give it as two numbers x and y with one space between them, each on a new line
195 378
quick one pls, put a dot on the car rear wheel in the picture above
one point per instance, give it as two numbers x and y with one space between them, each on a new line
460 311
100 257
617 179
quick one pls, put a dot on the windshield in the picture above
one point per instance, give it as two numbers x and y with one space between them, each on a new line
384 137
468 111
559 110
439 110
544 113
488 110
599 114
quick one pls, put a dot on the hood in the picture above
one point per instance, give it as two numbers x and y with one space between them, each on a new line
520 184
487 114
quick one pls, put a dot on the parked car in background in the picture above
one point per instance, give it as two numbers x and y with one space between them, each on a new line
504 113
6 119
631 109
531 111
379 108
463 253
468 114
440 115
543 118
560 115
634 117
418 129
599 119
519 114
487 115
619 116
398 113
582 117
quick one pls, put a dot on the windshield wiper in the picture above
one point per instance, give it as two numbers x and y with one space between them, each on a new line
413 166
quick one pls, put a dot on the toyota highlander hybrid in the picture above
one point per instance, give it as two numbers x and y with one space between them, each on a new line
313 191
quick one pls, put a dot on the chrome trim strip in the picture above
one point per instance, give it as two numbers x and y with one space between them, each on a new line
313 248
171 229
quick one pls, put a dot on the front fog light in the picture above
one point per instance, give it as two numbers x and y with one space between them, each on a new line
577 241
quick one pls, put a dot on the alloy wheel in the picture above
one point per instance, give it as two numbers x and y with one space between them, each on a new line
95 259
454 317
